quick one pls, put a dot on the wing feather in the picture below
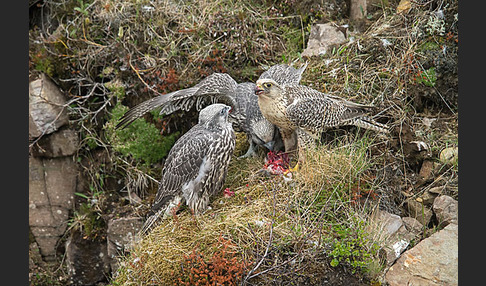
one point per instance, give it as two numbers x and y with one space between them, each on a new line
318 113
284 74
183 161
216 87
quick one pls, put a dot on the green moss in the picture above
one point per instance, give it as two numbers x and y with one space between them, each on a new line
140 140
429 46
352 247
427 77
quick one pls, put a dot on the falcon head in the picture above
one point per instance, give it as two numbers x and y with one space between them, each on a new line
268 87
214 115
207 113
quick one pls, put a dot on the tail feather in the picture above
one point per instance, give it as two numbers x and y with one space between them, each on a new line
150 222
160 212
368 123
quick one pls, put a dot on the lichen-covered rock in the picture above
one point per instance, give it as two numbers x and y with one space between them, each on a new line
52 183
122 234
449 155
433 261
64 142
47 111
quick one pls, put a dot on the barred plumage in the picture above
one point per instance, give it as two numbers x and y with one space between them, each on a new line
306 112
221 88
196 166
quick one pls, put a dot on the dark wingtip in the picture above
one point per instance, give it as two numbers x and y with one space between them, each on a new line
124 122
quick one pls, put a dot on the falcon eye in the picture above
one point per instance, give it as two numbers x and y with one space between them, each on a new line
267 84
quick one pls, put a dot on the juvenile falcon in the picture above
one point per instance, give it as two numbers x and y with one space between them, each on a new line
305 112
221 88
196 166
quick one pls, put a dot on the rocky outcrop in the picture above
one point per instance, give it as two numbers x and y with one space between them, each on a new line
87 260
413 225
390 229
52 183
47 110
322 38
52 169
418 210
433 261
122 235
64 142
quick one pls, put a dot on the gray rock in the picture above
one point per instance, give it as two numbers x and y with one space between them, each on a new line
47 246
419 211
37 183
433 261
121 236
322 38
60 176
390 229
413 225
46 107
45 216
63 142
446 210
52 183
86 260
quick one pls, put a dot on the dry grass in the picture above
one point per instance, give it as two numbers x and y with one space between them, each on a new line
271 223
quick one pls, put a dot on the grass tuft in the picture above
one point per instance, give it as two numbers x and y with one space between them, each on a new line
268 223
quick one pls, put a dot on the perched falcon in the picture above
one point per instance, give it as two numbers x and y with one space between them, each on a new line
196 166
304 112
221 88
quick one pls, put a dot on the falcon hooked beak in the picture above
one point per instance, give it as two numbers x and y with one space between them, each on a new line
258 89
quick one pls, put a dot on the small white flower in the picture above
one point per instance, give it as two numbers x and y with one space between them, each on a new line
148 8
385 42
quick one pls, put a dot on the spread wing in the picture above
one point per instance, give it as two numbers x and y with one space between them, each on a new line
217 87
284 74
139 110
315 111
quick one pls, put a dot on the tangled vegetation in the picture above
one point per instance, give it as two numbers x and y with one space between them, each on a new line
110 55
272 227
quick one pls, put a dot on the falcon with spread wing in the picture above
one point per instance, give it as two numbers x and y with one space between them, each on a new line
196 166
220 87
304 112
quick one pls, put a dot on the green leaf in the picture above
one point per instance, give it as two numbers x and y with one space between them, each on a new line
334 262
82 195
